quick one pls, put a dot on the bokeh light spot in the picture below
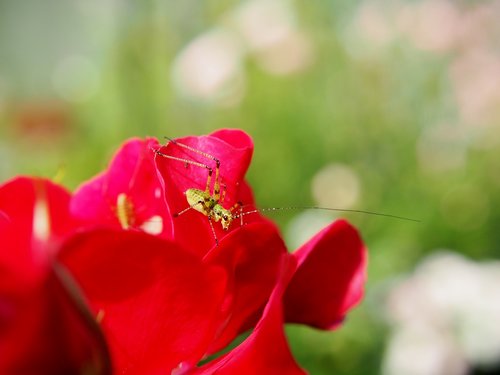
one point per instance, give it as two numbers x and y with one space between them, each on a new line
336 186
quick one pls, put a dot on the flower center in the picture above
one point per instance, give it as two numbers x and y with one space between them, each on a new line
125 211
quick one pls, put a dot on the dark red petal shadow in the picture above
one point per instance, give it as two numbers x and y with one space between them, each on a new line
265 351
42 332
159 305
329 279
252 256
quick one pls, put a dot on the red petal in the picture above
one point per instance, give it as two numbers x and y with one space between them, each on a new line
329 279
33 218
252 256
132 174
234 150
266 350
42 332
160 305
235 137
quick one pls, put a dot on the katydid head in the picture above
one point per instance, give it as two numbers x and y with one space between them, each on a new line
225 216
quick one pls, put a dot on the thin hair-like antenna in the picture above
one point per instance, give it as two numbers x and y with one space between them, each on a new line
201 165
327 209
203 153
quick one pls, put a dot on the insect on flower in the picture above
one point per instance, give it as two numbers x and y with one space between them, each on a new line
209 201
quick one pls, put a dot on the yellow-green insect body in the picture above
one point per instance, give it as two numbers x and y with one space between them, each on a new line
209 206
208 201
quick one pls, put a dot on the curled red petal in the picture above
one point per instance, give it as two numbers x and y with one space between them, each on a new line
237 138
252 256
128 195
158 305
330 277
233 149
266 350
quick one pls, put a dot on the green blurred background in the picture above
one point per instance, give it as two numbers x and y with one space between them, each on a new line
388 106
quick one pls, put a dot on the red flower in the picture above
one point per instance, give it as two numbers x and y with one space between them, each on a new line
128 195
42 329
161 307
157 304
234 150
318 295
166 302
